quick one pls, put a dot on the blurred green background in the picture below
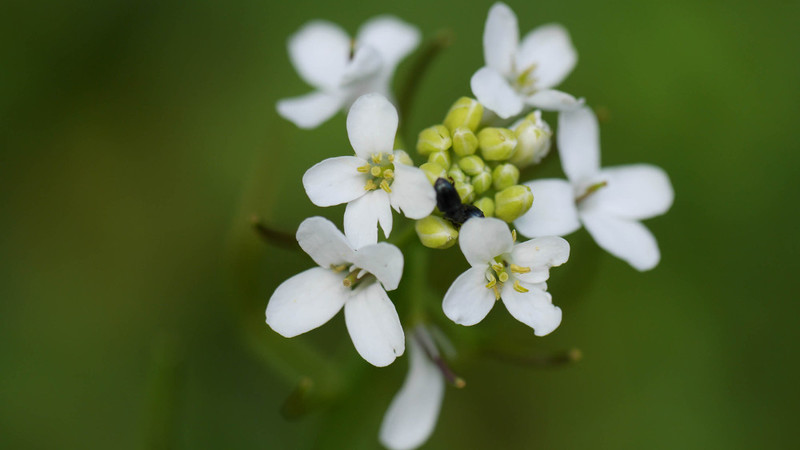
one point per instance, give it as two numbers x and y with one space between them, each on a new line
139 137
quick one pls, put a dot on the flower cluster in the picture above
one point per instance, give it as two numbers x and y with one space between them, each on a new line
468 191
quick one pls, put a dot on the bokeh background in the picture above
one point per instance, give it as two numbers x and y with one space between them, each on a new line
138 138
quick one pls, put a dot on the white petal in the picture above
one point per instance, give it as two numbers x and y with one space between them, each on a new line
391 37
306 301
579 144
320 51
482 239
361 218
628 240
324 243
539 255
637 191
413 413
310 110
335 181
494 93
371 125
550 49
374 326
383 260
468 300
412 193
500 39
553 100
553 212
366 64
533 308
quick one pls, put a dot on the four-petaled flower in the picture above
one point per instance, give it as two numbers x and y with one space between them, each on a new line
518 74
501 269
353 279
342 69
373 181
609 202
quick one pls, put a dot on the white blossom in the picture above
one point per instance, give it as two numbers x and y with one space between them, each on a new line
374 180
346 278
503 269
517 73
341 69
609 202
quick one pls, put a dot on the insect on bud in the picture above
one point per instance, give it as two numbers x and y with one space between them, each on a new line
497 144
505 175
465 112
456 174
465 142
435 232
433 139
512 202
486 205
465 191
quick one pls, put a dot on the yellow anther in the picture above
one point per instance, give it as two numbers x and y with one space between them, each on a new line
385 186
351 279
377 157
391 157
491 284
514 235
519 269
388 174
338 268
518 287
496 293
375 171
370 186
503 276
364 168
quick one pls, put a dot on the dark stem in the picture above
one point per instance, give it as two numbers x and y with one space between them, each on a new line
437 359
275 237
555 359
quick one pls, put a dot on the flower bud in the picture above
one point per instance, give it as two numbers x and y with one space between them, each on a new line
482 182
471 165
486 205
433 171
456 174
441 158
464 141
533 140
497 144
465 112
433 139
512 202
401 157
505 175
435 232
465 191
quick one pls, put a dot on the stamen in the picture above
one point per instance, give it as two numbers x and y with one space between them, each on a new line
496 293
377 157
350 280
391 157
514 235
503 276
364 168
497 267
591 190
491 284
388 174
375 171
370 186
518 287
385 186
519 269
338 268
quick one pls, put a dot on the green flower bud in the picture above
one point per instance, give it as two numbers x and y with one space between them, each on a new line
464 141
471 165
486 205
401 157
456 174
466 191
505 175
441 158
497 144
435 232
482 182
433 139
433 171
512 202
533 140
465 112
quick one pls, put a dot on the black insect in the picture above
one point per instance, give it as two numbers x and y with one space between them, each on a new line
449 203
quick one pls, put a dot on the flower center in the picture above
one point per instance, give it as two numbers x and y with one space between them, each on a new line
380 169
525 82
355 276
500 271
590 190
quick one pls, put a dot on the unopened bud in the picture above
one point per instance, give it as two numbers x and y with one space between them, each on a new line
401 157
433 171
505 175
512 202
456 174
435 232
482 181
471 165
465 112
433 139
441 158
497 144
465 142
486 205
465 191
533 140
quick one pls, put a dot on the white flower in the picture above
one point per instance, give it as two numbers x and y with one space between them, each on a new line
340 69
518 74
413 413
373 181
501 269
609 202
353 279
